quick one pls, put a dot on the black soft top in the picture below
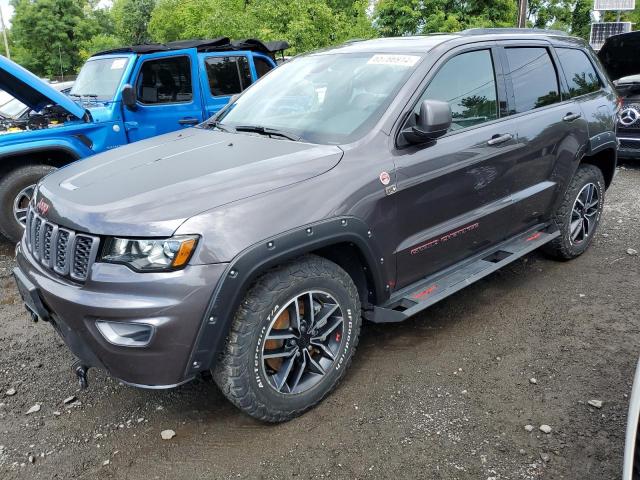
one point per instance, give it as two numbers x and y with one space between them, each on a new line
211 45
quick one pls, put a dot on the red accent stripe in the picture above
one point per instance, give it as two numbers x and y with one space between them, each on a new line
535 236
426 292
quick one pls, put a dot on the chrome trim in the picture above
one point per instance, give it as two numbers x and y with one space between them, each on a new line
629 139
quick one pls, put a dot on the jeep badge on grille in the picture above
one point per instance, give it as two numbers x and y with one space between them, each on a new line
43 207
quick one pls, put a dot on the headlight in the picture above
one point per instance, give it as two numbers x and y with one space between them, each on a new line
150 254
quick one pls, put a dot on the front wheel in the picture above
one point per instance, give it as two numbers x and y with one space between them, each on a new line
16 190
579 214
291 340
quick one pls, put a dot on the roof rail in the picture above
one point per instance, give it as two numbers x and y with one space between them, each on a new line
510 31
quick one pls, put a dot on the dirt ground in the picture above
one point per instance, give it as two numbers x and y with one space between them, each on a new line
446 395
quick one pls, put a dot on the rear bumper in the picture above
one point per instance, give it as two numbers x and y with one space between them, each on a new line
173 303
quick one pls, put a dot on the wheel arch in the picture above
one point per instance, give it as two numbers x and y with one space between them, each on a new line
604 159
54 155
346 241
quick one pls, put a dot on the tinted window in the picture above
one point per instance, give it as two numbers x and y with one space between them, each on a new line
581 76
534 78
166 80
228 75
262 66
468 84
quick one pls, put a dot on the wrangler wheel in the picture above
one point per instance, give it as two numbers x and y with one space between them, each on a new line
291 340
16 189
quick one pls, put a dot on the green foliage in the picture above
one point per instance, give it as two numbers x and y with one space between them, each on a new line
305 24
410 17
47 34
131 19
573 16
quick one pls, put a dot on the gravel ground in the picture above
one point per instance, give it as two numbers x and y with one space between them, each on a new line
446 395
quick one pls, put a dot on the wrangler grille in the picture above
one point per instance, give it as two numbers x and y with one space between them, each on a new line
66 252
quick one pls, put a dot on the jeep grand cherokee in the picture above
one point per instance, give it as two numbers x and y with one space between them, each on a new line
370 181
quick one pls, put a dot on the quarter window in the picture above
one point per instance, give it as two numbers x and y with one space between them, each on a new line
581 76
166 80
534 78
228 75
262 66
467 83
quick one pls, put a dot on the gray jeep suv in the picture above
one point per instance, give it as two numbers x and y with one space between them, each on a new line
370 180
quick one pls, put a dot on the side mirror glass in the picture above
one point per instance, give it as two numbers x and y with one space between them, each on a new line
129 99
433 122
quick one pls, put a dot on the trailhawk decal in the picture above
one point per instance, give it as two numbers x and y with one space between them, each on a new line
444 238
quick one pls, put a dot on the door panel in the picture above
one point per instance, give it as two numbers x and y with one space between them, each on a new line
168 97
452 194
551 132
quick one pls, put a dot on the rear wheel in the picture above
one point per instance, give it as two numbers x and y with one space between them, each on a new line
579 214
16 190
291 340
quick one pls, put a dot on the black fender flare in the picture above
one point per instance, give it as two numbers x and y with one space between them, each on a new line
258 258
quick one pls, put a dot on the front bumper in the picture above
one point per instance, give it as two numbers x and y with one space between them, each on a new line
173 303
629 146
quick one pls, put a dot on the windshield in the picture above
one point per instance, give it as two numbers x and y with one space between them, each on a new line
328 99
99 78
13 109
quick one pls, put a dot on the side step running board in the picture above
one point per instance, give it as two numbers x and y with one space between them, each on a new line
424 293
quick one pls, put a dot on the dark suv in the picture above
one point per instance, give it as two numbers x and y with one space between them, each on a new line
366 181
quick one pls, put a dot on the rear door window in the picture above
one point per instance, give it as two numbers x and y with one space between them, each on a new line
533 76
467 82
228 75
579 72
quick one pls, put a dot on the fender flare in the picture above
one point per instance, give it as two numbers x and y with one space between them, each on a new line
58 145
258 258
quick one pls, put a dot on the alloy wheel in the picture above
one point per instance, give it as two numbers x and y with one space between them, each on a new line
21 204
302 342
584 213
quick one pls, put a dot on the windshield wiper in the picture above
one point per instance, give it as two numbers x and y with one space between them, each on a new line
217 124
271 132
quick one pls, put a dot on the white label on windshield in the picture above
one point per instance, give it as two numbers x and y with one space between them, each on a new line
118 64
385 59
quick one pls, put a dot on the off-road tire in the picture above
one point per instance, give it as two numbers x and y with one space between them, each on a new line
561 247
237 373
11 184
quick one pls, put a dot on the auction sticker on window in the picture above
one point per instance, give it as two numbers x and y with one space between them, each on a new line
390 59
118 64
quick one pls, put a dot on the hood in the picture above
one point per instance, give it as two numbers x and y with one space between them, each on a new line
151 187
620 55
32 91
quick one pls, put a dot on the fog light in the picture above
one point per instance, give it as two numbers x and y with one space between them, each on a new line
125 334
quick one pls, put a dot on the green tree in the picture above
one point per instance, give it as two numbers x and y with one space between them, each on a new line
410 17
48 35
131 20
305 24
573 16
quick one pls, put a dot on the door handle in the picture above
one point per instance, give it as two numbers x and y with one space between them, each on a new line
570 117
188 121
498 139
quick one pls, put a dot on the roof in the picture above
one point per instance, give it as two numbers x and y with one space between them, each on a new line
209 45
424 43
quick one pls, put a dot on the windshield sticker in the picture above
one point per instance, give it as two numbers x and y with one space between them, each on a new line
402 60
118 64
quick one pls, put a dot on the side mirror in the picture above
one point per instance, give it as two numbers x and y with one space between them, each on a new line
433 122
129 99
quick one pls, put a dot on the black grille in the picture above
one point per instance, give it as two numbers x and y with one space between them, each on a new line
81 256
66 252
630 144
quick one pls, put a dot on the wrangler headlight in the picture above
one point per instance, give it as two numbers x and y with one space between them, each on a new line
150 254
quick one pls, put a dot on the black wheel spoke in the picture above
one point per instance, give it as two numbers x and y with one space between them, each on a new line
296 357
324 349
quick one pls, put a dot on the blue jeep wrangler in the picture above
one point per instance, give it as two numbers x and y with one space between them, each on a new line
120 96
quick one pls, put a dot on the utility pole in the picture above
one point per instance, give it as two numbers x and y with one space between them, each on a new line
4 35
522 13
